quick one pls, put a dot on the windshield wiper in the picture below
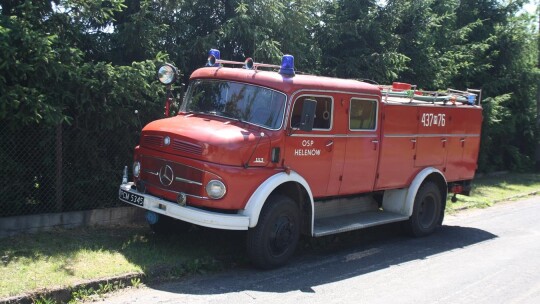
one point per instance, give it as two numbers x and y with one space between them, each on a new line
201 113
220 114
233 117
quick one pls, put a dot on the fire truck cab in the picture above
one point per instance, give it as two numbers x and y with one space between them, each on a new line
281 154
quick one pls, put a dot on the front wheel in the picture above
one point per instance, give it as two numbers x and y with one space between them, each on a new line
427 210
273 241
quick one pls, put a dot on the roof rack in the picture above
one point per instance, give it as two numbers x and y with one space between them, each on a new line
286 68
247 64
408 91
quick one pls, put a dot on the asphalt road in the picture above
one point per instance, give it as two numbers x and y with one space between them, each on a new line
480 256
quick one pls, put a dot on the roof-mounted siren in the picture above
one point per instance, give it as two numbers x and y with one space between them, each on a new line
248 64
213 57
287 65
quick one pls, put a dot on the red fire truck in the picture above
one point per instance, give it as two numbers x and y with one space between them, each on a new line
262 148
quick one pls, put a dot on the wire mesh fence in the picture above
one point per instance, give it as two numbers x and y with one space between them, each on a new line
61 168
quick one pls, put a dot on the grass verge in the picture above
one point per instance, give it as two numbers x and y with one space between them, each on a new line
489 190
66 258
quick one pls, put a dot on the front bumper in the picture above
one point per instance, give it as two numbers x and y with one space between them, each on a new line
185 213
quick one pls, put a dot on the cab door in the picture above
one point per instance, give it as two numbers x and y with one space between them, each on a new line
310 154
362 147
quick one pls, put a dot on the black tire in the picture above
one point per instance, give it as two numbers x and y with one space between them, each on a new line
273 241
169 226
427 210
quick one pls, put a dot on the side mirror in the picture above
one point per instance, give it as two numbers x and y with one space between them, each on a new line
308 115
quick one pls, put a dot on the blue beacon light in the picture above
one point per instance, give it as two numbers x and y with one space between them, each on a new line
287 65
213 55
471 99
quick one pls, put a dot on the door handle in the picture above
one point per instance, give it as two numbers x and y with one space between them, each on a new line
329 145
443 140
375 143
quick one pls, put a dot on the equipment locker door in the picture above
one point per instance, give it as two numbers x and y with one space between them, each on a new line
432 136
399 125
471 143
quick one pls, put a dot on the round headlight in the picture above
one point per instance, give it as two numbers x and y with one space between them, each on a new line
136 168
215 189
167 74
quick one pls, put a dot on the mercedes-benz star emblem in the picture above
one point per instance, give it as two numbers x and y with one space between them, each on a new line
166 175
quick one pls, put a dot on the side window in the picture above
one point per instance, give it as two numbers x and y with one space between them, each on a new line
363 114
323 112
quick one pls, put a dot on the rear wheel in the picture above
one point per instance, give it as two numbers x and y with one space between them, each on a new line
427 210
273 241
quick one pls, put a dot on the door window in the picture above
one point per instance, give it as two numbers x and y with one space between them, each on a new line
323 112
363 114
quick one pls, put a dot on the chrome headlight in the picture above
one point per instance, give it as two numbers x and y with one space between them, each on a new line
215 189
167 74
136 168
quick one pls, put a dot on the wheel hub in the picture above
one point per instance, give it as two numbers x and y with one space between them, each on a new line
426 213
282 235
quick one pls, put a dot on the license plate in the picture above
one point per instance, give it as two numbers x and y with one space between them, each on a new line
132 198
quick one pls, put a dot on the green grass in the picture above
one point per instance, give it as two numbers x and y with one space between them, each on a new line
489 190
69 257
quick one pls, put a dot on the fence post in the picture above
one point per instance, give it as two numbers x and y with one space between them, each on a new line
59 163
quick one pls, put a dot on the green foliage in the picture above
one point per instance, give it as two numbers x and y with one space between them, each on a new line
512 80
44 300
135 282
48 78
87 294
357 41
47 75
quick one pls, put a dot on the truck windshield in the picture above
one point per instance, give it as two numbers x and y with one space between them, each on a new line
239 101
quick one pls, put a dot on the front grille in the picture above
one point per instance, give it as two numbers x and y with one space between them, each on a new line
187 147
152 141
186 179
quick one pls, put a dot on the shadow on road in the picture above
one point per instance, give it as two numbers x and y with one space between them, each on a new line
335 258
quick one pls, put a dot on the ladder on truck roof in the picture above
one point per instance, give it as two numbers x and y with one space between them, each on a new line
405 91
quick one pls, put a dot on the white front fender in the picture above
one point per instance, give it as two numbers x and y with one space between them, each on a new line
258 198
